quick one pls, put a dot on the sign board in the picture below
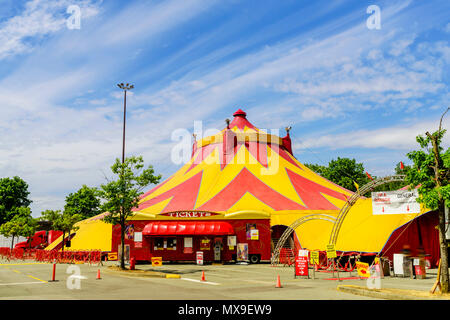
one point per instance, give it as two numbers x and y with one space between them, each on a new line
398 263
242 252
303 253
231 241
395 202
189 214
205 244
137 236
254 234
199 257
156 261
301 266
112 256
129 232
363 269
314 257
331 251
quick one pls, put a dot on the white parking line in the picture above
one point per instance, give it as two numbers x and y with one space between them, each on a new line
17 283
207 282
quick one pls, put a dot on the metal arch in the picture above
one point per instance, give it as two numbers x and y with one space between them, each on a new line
352 200
286 234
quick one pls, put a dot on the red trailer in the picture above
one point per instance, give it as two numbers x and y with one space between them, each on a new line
223 240
39 240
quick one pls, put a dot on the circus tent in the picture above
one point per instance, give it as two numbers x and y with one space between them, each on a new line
244 173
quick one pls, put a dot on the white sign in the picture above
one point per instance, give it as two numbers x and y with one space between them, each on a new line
395 202
199 257
231 241
138 237
303 253
398 263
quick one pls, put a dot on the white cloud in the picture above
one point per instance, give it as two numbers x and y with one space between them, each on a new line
396 138
40 18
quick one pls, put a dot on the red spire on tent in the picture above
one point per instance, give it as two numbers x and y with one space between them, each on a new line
402 166
369 176
241 121
239 113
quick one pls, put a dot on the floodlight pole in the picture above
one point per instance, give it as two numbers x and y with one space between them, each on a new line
125 88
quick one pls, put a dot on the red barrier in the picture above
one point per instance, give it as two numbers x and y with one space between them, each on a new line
84 256
343 262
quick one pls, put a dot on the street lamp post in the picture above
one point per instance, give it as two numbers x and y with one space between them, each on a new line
125 88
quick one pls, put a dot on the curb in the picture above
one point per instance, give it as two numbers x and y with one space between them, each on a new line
389 294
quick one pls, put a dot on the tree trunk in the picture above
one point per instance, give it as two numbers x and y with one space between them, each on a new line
122 235
443 247
441 211
12 242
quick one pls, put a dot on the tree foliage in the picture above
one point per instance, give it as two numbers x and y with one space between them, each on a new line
343 171
122 195
13 195
423 173
64 222
84 202
22 224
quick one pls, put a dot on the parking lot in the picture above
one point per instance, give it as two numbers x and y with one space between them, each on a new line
29 280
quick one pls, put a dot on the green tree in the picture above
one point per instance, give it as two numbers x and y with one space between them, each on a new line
64 222
430 172
13 195
122 195
22 224
343 171
84 202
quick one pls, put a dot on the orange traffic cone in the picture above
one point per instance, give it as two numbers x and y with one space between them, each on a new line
278 282
98 274
203 276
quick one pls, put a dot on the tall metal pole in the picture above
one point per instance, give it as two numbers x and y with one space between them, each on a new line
124 120
125 88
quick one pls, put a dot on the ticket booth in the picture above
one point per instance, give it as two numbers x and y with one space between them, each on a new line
180 240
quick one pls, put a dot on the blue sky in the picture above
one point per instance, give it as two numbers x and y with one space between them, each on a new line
345 89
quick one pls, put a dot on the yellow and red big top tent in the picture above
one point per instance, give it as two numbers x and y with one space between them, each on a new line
243 172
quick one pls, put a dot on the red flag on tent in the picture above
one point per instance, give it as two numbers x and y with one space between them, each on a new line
402 166
369 176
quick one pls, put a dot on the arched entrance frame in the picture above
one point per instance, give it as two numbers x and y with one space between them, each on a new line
338 221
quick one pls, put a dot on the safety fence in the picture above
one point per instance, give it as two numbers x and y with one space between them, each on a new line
81 256
345 261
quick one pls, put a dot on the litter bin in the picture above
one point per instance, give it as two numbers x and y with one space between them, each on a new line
419 268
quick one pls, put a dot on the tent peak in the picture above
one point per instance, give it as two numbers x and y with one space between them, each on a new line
240 113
